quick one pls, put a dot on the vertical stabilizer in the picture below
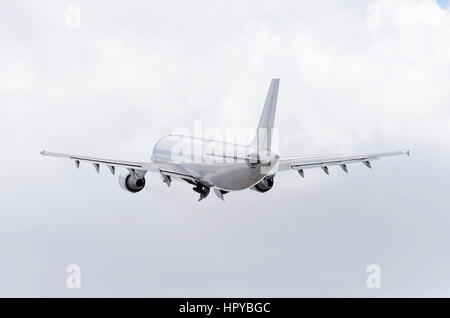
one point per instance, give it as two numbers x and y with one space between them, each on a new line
263 138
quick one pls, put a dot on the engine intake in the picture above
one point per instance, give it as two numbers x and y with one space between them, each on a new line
264 185
131 182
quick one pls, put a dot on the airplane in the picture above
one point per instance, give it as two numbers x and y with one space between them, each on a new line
223 167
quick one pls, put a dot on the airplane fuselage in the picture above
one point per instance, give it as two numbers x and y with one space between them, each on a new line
222 165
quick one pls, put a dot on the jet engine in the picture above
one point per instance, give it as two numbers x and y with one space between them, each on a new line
264 185
131 182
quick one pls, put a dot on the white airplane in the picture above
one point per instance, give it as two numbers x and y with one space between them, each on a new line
221 166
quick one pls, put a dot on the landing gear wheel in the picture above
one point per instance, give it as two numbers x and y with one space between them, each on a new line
202 189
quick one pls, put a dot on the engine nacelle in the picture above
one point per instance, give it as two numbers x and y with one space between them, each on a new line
131 183
264 185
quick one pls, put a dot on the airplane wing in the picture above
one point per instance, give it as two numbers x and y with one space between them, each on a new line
134 166
300 163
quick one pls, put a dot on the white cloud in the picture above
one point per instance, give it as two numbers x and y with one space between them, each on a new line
134 72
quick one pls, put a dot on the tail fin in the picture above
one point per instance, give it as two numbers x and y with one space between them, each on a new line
263 138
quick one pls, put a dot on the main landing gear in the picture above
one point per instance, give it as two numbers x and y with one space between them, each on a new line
202 189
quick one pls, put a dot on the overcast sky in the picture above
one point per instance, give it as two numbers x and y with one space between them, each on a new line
356 77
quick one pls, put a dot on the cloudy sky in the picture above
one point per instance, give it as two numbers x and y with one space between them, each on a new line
109 78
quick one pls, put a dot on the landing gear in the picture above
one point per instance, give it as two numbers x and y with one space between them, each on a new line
202 189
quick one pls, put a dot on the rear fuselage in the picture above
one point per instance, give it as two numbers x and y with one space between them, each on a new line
226 166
